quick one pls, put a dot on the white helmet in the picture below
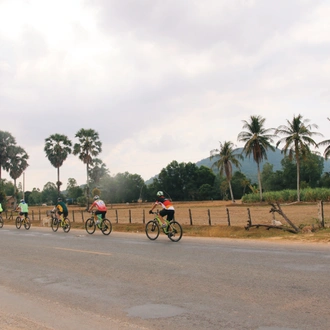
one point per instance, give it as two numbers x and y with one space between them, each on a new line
96 197
160 193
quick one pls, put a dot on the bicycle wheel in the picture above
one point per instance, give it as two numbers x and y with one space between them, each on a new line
55 224
1 222
106 227
90 226
152 230
18 223
66 225
175 231
27 223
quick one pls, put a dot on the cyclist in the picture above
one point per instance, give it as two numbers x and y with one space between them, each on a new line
60 209
23 208
168 208
1 210
101 209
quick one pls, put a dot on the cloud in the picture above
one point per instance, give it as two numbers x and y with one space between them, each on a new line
158 80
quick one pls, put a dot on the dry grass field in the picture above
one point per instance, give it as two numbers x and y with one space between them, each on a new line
209 218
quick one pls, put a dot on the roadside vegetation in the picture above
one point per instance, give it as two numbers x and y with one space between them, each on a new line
301 178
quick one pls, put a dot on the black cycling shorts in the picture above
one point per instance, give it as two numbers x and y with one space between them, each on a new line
168 213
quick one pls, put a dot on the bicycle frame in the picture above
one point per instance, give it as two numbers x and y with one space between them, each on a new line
160 223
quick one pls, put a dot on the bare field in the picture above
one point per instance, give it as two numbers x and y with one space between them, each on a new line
201 213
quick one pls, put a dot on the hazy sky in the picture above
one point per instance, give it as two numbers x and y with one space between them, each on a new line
158 80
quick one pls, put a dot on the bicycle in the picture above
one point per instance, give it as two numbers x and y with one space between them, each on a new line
173 230
1 221
105 226
63 222
25 221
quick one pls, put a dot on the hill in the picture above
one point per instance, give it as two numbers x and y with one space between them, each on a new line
249 167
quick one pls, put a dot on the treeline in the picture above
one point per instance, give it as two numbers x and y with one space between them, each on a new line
301 168
181 181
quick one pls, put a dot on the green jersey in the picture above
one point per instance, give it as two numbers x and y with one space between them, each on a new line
24 207
1 208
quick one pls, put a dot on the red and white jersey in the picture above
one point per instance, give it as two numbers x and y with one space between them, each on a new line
165 203
100 205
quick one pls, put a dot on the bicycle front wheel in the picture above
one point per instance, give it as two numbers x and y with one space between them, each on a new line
106 227
55 224
152 230
18 223
90 226
1 222
27 223
174 231
66 225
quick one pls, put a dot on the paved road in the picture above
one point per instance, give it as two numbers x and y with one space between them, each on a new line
124 281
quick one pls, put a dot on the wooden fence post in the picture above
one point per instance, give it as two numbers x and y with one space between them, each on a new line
82 216
39 215
228 216
209 214
72 215
129 216
116 216
190 217
32 215
249 217
321 214
143 216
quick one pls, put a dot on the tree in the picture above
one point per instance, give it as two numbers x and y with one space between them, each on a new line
16 164
6 141
88 147
325 143
57 149
297 138
49 193
73 190
226 158
97 170
257 141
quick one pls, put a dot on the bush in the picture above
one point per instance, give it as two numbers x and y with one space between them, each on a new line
290 196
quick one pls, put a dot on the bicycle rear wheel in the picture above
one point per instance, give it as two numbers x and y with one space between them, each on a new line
174 231
55 224
66 225
152 230
106 227
18 222
27 223
90 226
1 222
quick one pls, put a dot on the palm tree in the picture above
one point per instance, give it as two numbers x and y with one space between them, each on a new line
16 164
297 139
57 149
325 143
88 147
257 141
227 158
6 141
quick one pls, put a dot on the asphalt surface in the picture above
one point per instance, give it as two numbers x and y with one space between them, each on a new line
125 281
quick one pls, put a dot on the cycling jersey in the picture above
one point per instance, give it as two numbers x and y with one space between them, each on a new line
165 203
100 205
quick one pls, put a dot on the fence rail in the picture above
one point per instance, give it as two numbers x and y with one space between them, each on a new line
235 215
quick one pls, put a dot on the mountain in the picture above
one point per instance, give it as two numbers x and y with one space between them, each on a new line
249 167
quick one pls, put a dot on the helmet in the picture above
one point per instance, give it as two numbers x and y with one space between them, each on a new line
160 193
22 200
96 197
59 199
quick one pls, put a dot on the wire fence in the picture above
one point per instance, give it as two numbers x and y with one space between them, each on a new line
197 214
